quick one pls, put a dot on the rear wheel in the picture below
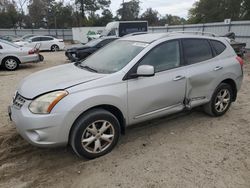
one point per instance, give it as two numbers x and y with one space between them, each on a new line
221 100
10 63
54 48
95 134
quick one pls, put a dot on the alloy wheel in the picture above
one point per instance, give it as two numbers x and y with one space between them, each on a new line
11 64
98 136
222 100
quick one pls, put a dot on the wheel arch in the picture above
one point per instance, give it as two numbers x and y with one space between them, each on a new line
232 83
10 56
110 108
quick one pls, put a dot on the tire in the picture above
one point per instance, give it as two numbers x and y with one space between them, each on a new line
11 63
91 128
221 101
54 48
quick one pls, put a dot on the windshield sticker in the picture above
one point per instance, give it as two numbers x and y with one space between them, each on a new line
140 44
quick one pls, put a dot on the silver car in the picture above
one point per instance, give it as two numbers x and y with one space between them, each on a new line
11 55
90 103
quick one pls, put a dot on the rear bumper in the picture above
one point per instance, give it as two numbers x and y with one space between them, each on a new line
34 58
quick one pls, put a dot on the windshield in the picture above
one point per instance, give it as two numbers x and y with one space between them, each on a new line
114 57
9 43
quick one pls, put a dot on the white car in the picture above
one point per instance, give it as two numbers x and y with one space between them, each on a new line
44 43
11 55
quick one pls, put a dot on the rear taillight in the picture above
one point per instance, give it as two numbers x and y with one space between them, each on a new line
31 52
60 40
240 60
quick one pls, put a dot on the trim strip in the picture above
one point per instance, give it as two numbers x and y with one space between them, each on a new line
158 111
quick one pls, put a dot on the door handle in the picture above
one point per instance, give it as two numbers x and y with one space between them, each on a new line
218 68
177 78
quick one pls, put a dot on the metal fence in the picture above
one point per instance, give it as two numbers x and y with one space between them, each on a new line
65 34
240 28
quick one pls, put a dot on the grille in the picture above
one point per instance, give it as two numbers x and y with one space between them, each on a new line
19 101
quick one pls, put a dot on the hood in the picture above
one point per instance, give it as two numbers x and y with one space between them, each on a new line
75 46
83 47
56 78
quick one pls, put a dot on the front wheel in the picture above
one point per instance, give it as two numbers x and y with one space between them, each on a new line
221 101
95 134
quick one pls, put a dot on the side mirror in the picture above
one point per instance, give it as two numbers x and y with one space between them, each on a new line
145 71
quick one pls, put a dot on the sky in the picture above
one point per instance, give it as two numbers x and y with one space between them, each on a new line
175 7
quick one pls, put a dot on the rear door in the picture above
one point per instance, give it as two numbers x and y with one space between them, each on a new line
203 70
36 41
164 93
47 42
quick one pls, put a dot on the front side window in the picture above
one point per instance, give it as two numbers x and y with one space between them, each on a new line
113 57
164 57
196 50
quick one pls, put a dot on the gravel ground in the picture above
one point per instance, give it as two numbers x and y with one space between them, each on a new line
185 150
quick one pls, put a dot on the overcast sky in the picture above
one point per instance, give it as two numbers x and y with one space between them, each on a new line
175 7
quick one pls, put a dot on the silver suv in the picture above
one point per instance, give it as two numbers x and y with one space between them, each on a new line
90 103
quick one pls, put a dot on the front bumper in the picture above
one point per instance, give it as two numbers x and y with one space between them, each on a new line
71 56
39 130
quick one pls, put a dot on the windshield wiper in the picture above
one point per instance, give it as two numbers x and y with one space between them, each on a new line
86 67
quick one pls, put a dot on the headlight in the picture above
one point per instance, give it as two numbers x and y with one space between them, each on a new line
45 103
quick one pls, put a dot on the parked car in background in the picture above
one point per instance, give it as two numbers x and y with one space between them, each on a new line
46 43
9 38
12 55
80 51
24 37
88 104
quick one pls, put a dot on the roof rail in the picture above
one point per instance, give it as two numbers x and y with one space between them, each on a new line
196 33
136 33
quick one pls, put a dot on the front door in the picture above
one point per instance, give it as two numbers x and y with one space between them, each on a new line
164 93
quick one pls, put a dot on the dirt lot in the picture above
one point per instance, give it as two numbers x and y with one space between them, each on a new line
185 150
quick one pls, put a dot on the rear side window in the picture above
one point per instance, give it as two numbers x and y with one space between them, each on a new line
197 50
219 47
46 38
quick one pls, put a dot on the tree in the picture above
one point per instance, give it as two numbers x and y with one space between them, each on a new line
246 10
57 14
129 10
8 14
172 20
37 12
216 10
90 6
151 16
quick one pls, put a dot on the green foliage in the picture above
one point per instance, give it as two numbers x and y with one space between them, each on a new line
151 16
172 20
129 10
204 11
8 15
